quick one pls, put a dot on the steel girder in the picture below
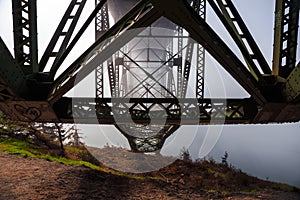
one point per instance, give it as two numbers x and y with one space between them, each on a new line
71 45
101 20
186 68
200 7
233 22
65 31
142 111
178 62
112 77
200 56
25 35
285 37
185 112
101 26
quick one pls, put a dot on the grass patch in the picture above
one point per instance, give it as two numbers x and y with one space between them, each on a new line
255 190
73 149
215 173
13 146
24 149
284 187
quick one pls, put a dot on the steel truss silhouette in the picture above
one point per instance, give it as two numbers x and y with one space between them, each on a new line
146 85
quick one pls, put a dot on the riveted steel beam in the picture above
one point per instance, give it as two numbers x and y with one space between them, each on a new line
65 31
25 35
118 111
183 78
238 30
285 37
179 59
175 111
101 26
71 45
186 68
101 20
201 9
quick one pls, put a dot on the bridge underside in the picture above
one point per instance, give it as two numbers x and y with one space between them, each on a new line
31 94
144 111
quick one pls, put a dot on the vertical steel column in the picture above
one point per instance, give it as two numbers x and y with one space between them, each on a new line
170 79
187 67
101 26
199 6
111 77
102 21
123 86
285 37
200 57
276 63
25 35
117 78
179 60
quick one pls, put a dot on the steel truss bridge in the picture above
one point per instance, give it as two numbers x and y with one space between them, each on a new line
147 86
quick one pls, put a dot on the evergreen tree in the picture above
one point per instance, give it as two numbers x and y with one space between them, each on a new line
224 158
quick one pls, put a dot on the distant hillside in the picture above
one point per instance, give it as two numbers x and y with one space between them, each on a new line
206 175
126 161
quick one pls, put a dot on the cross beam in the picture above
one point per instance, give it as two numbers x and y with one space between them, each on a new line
66 80
199 30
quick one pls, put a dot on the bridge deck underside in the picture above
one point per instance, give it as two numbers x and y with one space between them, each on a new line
146 111
39 98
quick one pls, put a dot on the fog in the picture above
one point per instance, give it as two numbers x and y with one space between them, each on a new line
266 151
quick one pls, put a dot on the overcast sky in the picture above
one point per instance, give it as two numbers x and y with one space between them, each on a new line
262 150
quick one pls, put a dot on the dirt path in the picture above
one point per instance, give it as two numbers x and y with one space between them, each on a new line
28 178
